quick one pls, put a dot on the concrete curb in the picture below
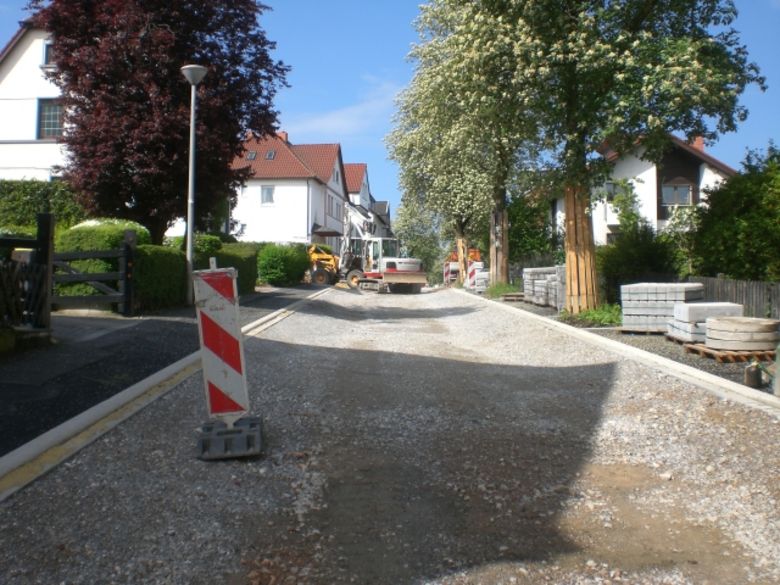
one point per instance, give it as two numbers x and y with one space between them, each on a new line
720 387
28 462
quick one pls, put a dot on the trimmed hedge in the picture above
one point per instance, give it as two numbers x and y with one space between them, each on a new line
21 201
242 257
159 277
204 243
282 264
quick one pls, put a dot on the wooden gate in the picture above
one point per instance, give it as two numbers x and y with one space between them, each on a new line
121 294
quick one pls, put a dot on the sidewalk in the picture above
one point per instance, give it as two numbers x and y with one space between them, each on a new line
96 355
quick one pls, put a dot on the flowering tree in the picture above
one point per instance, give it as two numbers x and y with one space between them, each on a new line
127 103
459 129
550 82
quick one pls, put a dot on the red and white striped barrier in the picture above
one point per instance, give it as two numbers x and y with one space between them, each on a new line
471 273
222 350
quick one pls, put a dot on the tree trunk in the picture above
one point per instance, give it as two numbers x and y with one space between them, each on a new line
462 257
581 283
499 244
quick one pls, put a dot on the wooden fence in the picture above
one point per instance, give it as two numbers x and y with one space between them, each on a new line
25 280
760 299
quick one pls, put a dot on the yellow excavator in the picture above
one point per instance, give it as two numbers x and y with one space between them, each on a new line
324 265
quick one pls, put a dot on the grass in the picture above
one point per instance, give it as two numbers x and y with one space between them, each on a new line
496 290
603 316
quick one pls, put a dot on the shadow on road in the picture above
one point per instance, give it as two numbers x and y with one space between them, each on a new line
431 465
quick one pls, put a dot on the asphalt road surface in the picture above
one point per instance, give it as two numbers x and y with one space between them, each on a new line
95 357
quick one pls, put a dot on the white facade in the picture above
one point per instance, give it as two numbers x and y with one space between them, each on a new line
297 206
23 155
644 176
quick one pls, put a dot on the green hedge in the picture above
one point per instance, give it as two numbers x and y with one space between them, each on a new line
159 277
242 257
282 264
204 243
21 201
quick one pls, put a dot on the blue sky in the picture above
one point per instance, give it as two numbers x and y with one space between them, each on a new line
348 60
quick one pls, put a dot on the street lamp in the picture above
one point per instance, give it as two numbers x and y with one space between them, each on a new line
194 74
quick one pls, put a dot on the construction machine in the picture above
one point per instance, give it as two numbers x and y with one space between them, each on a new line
324 267
376 262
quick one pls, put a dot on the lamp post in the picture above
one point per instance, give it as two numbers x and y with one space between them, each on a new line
194 74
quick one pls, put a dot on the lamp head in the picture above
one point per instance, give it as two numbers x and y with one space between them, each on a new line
194 73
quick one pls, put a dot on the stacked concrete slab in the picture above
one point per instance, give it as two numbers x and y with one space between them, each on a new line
690 319
545 286
742 334
649 306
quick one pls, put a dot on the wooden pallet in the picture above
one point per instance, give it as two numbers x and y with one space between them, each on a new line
629 331
677 340
513 297
728 356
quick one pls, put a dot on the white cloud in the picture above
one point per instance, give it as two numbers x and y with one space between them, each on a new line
367 117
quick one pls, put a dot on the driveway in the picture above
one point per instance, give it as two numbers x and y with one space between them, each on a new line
414 439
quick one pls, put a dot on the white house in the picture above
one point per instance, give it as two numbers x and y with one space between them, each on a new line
681 178
296 193
30 112
373 216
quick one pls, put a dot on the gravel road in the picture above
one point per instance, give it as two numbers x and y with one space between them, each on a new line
419 439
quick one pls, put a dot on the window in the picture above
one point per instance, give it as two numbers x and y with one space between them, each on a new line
672 195
270 155
611 189
49 119
336 176
251 155
267 195
48 55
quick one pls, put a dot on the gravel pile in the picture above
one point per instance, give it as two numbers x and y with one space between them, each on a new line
419 439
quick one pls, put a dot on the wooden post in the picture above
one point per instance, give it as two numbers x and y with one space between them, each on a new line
581 285
44 256
126 260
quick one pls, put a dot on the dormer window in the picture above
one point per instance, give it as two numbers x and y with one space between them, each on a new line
270 155
251 155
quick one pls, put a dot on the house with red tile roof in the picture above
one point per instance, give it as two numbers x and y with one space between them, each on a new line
680 179
30 112
364 210
296 193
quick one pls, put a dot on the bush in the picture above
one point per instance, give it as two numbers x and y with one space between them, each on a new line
635 256
104 234
242 257
282 264
159 277
494 291
205 244
637 253
602 316
21 201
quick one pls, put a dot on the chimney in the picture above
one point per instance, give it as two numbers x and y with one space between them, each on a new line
283 135
698 143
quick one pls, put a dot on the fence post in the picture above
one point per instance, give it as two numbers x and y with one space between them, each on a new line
44 256
126 260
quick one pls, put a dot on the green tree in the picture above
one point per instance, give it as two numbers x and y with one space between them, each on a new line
739 229
552 81
419 230
460 126
127 104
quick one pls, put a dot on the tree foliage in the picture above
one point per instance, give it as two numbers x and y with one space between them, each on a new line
550 82
419 230
127 104
739 229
